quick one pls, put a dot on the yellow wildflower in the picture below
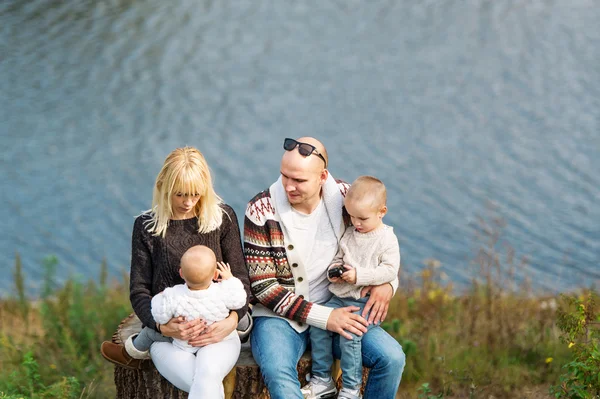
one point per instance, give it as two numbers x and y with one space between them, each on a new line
572 344
549 360
53 366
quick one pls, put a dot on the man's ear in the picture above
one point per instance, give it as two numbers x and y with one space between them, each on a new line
324 176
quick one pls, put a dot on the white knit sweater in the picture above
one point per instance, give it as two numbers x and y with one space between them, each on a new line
375 256
211 304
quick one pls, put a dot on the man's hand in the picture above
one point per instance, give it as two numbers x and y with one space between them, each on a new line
342 321
378 303
349 275
178 328
216 332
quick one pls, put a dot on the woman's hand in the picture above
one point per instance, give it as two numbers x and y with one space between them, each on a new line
216 332
178 328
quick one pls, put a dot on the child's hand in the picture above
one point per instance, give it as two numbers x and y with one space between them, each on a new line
224 271
349 275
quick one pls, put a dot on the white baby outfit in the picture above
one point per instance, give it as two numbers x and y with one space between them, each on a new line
212 304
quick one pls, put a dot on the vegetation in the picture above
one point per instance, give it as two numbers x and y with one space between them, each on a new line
49 348
496 339
499 338
492 343
579 321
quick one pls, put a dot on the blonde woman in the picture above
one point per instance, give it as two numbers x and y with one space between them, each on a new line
185 212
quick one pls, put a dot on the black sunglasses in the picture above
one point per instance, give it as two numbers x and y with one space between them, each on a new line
304 149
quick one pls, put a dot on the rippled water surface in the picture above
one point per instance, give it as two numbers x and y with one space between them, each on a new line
452 104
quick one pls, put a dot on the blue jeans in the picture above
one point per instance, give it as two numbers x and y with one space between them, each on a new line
277 348
321 342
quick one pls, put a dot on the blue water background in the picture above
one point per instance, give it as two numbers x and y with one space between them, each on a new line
453 104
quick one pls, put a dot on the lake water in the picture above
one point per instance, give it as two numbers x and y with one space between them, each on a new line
452 104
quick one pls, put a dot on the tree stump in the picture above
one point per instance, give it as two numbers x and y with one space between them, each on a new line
243 382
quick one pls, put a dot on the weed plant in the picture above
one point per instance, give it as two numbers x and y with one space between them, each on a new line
579 321
49 347
497 338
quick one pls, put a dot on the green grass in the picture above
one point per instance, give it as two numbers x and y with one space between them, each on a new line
498 338
49 347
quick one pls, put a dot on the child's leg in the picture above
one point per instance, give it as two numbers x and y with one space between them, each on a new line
321 342
351 361
351 352
146 337
213 363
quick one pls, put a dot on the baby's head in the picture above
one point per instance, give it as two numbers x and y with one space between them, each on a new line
365 203
198 267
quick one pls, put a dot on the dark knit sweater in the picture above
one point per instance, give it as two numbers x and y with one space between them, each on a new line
155 260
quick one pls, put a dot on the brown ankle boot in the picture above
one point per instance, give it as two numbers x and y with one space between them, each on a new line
117 354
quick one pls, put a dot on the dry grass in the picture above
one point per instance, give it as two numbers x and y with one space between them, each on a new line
496 339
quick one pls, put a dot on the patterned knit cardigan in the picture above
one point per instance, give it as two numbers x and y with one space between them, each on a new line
271 278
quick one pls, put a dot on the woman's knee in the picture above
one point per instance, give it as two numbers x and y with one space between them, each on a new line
175 365
210 376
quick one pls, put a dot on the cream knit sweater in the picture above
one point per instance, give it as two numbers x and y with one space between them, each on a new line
375 256
212 304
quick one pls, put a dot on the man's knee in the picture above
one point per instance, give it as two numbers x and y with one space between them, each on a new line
392 359
396 358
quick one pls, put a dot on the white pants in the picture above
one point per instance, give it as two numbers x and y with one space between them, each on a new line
200 374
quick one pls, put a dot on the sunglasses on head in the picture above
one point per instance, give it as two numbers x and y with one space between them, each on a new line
304 149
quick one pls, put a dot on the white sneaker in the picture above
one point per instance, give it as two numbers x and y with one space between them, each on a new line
319 388
346 393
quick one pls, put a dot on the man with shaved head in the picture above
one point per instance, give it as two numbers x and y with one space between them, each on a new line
291 235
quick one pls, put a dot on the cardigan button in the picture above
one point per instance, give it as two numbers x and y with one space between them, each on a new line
300 279
294 265
290 247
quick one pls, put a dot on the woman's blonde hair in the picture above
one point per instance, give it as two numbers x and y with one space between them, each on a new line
185 171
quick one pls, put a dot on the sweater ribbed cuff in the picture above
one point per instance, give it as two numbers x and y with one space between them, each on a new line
318 316
394 284
364 277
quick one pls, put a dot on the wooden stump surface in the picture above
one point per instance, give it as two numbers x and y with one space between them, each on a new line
243 382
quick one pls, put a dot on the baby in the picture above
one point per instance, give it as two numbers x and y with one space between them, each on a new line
199 297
